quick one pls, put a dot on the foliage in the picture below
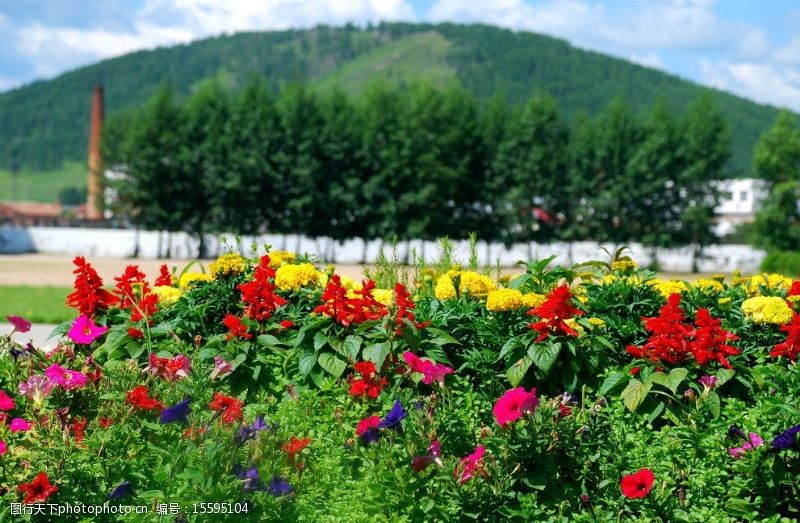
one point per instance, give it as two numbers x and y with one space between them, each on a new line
307 415
782 262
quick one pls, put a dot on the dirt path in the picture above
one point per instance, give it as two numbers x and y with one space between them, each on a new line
44 270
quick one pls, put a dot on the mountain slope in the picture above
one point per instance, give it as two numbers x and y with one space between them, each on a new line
46 123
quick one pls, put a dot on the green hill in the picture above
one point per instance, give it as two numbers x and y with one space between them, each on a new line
44 124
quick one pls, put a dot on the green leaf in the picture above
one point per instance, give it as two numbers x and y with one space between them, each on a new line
238 360
517 372
352 346
511 344
440 337
724 375
62 329
320 340
611 382
376 353
635 393
671 381
713 403
306 362
268 340
333 365
544 356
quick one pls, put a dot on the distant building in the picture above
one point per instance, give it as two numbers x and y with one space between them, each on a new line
21 213
740 201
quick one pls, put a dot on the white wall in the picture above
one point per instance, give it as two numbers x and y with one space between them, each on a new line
121 243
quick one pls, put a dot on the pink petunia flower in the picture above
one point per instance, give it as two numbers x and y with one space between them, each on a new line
65 378
3 447
513 404
469 466
6 401
37 388
171 369
84 331
20 324
19 425
221 368
420 463
755 441
431 371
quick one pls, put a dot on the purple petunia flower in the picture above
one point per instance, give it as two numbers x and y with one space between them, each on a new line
786 439
123 489
178 413
279 487
395 416
249 432
252 480
707 381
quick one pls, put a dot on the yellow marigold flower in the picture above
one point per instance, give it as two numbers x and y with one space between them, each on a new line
597 322
445 290
383 296
504 300
767 309
278 258
794 299
227 264
476 285
770 281
724 302
532 299
718 277
188 278
348 282
707 284
624 265
667 288
292 277
167 295
573 324
322 279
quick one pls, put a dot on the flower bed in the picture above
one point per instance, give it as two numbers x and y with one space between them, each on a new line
270 388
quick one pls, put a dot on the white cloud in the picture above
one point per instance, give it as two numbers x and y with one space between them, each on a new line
763 82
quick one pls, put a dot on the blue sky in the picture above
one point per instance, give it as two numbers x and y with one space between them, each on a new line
748 47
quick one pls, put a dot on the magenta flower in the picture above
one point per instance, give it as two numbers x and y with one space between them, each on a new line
513 404
6 401
3 447
19 425
420 463
84 331
37 388
755 441
19 324
221 368
65 378
707 382
430 370
469 466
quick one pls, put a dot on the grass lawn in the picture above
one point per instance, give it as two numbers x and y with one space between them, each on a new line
35 304
42 186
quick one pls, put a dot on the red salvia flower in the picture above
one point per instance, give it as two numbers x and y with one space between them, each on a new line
286 324
89 296
670 338
638 484
140 399
710 340
79 428
164 277
405 307
346 311
789 348
133 293
38 490
259 295
369 384
135 333
236 328
294 446
552 313
105 422
231 408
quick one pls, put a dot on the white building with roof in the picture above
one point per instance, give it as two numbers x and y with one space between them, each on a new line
740 201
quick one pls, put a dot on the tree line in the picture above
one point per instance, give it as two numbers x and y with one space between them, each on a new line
416 162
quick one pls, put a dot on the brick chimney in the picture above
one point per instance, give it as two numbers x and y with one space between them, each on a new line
94 193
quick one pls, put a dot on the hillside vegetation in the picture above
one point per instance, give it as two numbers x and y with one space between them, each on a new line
45 124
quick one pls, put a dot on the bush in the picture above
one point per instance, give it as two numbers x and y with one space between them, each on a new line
782 262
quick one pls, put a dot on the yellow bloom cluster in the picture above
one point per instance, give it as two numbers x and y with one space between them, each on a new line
470 282
597 323
669 287
278 258
624 265
188 278
767 309
383 296
292 277
630 280
707 284
227 264
725 302
167 295
770 281
504 300
532 299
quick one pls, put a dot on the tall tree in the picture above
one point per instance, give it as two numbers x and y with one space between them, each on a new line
777 153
